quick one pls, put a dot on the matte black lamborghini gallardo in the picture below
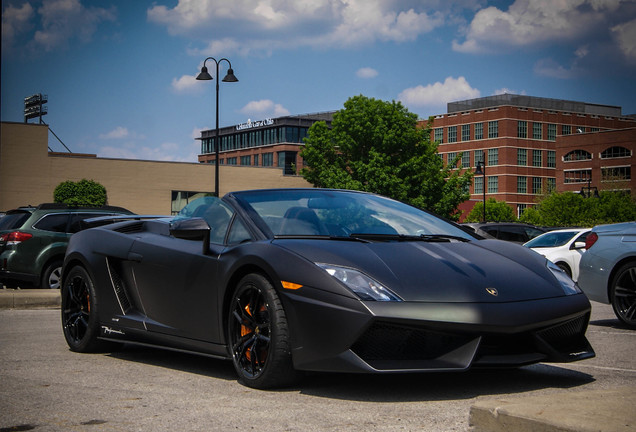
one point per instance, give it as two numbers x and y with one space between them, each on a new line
282 281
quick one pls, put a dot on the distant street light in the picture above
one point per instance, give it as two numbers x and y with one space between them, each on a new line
481 170
205 76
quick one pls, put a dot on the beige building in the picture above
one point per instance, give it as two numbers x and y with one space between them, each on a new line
29 173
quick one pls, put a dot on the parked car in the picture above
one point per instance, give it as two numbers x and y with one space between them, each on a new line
563 247
289 280
607 272
508 231
33 241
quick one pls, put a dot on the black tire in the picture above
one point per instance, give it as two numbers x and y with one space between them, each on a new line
80 321
258 335
566 268
52 275
623 294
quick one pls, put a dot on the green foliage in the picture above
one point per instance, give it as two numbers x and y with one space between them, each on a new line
376 146
572 209
496 211
87 193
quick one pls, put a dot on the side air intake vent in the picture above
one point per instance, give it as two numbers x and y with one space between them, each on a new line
118 285
130 228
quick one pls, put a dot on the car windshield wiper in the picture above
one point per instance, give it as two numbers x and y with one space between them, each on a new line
405 237
321 237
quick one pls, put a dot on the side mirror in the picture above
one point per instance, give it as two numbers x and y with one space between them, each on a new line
192 229
578 245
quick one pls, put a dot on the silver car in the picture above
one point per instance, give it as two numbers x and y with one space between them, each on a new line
607 271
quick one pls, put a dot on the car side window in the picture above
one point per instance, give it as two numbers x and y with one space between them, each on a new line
511 233
238 233
55 222
218 216
78 218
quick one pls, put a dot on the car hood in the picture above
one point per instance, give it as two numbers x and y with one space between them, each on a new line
441 271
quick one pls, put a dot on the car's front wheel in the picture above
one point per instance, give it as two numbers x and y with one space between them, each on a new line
79 312
623 294
259 336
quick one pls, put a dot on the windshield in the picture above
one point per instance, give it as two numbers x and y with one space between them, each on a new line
552 239
341 213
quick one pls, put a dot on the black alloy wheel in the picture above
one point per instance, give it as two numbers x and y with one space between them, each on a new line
259 336
623 294
79 312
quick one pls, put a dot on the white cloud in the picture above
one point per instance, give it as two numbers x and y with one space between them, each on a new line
14 22
625 35
258 27
528 22
165 152
63 20
264 108
366 72
438 94
186 84
118 133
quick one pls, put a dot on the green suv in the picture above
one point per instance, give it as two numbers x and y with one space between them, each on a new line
33 241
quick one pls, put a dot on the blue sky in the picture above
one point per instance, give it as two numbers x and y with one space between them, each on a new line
119 74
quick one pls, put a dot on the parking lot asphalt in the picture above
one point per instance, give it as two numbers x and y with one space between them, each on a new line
609 410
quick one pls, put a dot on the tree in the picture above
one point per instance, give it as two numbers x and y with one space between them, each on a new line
376 146
572 209
496 211
87 193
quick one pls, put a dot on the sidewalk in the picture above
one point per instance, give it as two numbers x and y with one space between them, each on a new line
609 410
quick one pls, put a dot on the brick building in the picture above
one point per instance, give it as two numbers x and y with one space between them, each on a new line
517 138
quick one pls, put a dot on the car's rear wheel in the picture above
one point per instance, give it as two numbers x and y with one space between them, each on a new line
79 312
52 276
623 294
258 335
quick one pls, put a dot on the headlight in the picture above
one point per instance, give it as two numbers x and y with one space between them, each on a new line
569 286
361 284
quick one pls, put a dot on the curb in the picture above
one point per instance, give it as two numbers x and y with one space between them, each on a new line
29 298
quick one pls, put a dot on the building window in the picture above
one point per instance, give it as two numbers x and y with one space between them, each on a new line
439 135
452 134
615 152
451 158
522 129
287 161
479 156
493 184
595 129
552 132
520 209
231 161
268 159
493 156
577 176
180 199
255 160
466 159
522 157
566 130
479 131
551 184
493 129
522 184
466 132
537 131
537 185
577 155
537 159
478 184
551 159
616 173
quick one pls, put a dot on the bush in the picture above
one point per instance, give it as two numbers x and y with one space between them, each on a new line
87 193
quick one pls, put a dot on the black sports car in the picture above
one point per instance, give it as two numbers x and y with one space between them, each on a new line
289 280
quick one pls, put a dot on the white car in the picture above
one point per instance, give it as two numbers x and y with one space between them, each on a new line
563 247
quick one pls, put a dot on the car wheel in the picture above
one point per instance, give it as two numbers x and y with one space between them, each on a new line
258 335
79 312
52 276
566 268
623 294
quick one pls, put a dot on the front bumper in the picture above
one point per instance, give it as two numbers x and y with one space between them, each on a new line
355 336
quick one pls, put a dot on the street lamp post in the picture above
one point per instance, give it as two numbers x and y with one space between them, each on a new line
481 170
229 77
